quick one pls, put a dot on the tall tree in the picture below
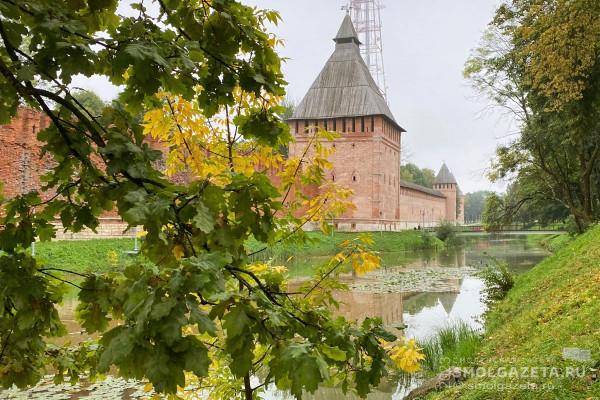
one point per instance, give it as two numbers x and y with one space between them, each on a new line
474 204
421 176
193 307
89 101
540 60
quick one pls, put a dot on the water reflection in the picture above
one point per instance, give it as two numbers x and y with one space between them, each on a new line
423 314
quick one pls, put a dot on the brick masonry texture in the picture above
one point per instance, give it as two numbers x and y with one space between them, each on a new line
367 160
20 163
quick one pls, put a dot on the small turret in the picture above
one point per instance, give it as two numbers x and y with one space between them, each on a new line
446 183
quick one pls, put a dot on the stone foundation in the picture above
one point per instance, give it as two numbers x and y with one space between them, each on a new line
109 228
348 225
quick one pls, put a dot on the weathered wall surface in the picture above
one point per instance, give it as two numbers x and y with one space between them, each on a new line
21 167
366 160
421 209
20 162
450 190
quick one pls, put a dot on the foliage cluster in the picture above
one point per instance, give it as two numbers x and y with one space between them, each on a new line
553 306
421 176
514 207
474 205
446 232
498 280
204 81
539 60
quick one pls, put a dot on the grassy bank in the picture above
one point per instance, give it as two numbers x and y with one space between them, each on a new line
84 255
301 258
102 254
554 306
322 244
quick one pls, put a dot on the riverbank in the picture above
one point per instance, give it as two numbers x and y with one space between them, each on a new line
301 259
94 255
321 244
553 307
98 255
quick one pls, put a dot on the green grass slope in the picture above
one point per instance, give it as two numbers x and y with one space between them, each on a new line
96 255
322 244
554 306
302 258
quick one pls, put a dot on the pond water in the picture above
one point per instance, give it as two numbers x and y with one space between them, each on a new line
452 294
422 291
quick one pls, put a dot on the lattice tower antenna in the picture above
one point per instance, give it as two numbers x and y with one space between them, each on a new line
366 16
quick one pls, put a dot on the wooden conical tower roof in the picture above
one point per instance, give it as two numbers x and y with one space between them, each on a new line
345 87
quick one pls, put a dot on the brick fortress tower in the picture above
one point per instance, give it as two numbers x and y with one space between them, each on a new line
345 98
445 182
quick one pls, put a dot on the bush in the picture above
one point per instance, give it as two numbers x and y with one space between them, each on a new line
428 240
498 281
571 226
446 231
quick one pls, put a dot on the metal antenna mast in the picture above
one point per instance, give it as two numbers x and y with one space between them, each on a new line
366 16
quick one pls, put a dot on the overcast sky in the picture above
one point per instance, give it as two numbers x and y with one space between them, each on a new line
426 43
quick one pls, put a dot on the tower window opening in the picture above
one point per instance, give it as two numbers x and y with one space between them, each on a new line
334 125
343 124
362 124
296 127
372 124
325 124
353 124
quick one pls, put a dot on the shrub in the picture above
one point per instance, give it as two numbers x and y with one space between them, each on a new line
427 240
571 226
446 231
498 281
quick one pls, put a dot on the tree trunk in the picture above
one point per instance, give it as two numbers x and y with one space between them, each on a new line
248 391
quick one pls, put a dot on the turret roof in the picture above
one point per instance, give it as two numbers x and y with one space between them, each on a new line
345 87
347 33
445 176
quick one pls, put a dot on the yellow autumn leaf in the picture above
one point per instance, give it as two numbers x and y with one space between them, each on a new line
178 251
407 356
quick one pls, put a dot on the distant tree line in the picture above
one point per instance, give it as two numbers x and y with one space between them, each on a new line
474 205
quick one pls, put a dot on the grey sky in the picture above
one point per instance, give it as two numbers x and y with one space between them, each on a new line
426 43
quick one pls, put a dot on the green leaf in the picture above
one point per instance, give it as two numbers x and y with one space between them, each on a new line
196 358
162 309
205 324
236 322
333 353
203 219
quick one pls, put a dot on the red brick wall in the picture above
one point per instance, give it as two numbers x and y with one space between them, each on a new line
366 160
450 191
420 208
20 162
